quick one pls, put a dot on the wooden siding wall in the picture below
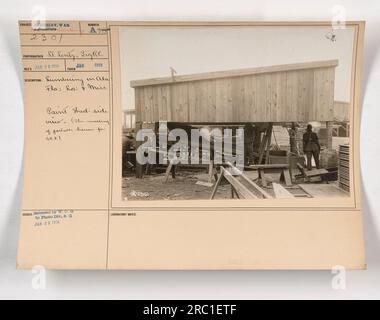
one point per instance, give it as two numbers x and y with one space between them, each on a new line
300 95
342 111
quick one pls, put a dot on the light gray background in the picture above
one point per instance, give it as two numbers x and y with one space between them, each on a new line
149 52
183 285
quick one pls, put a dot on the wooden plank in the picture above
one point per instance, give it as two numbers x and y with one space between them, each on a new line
280 191
263 178
212 172
138 105
315 172
257 188
194 103
282 96
180 102
217 184
148 105
202 91
301 96
281 111
236 171
233 73
267 166
270 131
323 190
239 187
341 111
285 175
260 97
168 169
204 183
162 96
291 96
237 94
224 107
210 107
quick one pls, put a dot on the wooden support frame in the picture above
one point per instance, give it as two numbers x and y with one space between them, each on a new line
237 187
307 175
284 169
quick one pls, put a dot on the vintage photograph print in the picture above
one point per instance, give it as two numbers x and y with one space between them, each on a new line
236 112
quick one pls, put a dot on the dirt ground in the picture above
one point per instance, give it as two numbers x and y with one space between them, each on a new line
183 187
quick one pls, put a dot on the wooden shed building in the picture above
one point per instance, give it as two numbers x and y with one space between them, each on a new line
294 92
300 92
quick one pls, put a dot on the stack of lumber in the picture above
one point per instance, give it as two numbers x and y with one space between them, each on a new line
344 168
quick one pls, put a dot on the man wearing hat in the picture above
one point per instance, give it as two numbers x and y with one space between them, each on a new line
311 146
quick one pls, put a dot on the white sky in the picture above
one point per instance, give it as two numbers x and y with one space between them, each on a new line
147 52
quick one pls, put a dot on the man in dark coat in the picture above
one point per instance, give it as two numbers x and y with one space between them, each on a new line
311 146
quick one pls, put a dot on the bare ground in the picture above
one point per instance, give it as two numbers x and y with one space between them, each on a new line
183 187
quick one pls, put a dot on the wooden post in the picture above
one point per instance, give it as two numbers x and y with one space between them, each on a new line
139 167
141 125
329 132
269 141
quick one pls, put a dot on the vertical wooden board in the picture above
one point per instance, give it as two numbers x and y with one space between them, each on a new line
184 101
306 94
148 104
253 97
138 104
174 110
275 112
220 99
249 98
302 91
238 97
300 96
211 100
291 96
269 87
326 94
202 105
179 98
234 95
261 97
308 79
159 103
282 111
143 108
156 99
331 96
165 103
193 101
318 95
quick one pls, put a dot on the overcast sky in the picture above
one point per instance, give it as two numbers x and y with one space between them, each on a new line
147 52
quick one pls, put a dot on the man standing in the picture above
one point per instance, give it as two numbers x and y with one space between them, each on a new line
311 146
248 144
293 139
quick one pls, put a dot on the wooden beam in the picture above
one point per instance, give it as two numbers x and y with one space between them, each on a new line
329 133
270 130
139 167
168 169
285 176
234 73
267 166
257 188
217 184
239 187
281 192
261 191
